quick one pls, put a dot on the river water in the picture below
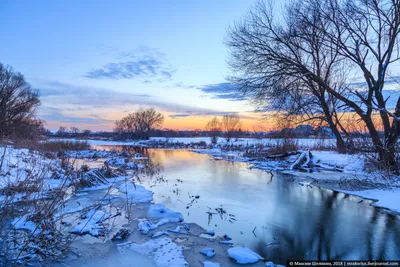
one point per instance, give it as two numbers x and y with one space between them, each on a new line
273 215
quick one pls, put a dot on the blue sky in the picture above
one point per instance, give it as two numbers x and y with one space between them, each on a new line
95 61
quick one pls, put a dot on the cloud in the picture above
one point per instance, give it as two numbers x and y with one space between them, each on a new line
223 91
61 101
145 64
174 116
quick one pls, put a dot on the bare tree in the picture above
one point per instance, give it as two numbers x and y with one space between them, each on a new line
18 101
74 130
62 131
140 123
30 129
230 125
214 128
275 62
366 34
302 64
86 132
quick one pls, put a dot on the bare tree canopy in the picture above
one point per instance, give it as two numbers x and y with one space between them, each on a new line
214 128
140 123
230 125
303 64
18 101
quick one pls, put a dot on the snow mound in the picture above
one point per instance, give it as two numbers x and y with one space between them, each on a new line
210 232
211 264
91 223
136 193
159 211
209 252
162 251
146 226
244 255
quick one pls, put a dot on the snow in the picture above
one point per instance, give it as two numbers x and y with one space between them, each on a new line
160 233
23 223
209 252
211 264
146 226
91 223
210 232
244 255
136 193
159 211
21 164
162 251
349 163
389 199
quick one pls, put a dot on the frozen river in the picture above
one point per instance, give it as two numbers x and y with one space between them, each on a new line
273 215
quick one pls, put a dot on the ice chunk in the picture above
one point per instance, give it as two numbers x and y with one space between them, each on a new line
145 226
244 255
271 264
159 211
209 252
210 232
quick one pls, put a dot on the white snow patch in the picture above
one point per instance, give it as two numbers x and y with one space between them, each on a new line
159 211
209 252
389 199
271 264
244 255
91 223
23 223
162 251
136 193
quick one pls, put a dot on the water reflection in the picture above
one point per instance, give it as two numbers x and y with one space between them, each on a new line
275 216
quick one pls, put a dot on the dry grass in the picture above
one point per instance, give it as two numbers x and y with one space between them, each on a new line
52 146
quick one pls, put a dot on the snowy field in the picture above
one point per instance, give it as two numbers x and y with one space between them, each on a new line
302 142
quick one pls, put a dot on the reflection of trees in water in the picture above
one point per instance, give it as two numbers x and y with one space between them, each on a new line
152 166
326 233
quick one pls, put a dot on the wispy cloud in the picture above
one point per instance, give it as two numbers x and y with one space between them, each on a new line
174 116
146 64
223 91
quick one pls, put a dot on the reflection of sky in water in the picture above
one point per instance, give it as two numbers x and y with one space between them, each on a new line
290 221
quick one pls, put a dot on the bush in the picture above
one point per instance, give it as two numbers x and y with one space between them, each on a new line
283 146
56 146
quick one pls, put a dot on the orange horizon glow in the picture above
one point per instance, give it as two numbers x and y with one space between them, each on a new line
250 123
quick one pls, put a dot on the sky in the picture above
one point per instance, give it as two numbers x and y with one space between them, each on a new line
94 62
